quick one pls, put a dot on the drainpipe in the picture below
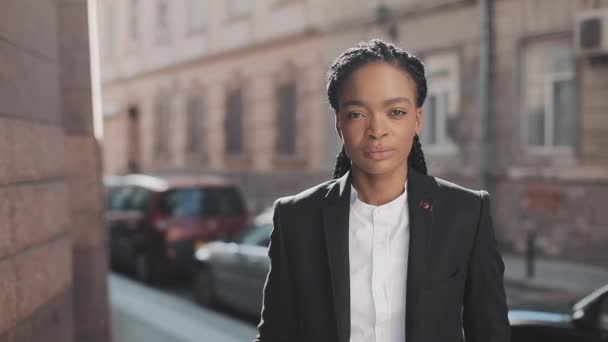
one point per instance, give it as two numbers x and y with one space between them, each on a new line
483 105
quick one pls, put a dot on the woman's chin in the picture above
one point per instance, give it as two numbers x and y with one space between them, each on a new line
380 167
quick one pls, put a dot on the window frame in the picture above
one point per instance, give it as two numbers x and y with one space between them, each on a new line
194 124
229 120
162 125
437 62
232 14
548 148
163 35
134 21
193 27
109 34
293 137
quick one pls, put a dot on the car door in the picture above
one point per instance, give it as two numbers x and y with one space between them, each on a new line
253 264
118 220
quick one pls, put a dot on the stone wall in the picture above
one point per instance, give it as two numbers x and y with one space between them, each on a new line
52 263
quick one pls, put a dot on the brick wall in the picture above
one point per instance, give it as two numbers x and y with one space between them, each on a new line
51 237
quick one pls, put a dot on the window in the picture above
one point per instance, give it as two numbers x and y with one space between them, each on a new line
140 199
134 20
233 123
286 119
162 20
237 8
190 203
118 197
162 126
442 104
223 201
197 202
196 14
193 122
549 94
109 29
129 198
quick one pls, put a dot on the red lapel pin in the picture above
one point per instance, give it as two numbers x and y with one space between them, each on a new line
426 205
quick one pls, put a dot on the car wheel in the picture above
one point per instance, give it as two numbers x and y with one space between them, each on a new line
202 286
143 268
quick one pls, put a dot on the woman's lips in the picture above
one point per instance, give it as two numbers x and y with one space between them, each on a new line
379 154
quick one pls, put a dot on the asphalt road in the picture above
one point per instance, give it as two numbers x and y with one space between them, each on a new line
145 314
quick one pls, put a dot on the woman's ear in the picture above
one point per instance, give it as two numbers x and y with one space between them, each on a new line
419 121
337 122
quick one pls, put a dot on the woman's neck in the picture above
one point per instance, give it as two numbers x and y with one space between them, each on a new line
380 189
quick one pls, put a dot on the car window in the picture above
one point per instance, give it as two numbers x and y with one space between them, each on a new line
110 192
168 202
223 201
189 203
195 202
140 199
119 198
257 235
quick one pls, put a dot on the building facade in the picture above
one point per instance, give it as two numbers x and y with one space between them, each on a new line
237 87
53 279
196 86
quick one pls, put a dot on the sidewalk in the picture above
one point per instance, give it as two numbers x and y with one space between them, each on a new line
572 277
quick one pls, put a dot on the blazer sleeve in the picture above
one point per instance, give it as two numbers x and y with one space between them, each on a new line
278 320
485 312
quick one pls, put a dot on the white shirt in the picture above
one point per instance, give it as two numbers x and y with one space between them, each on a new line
378 251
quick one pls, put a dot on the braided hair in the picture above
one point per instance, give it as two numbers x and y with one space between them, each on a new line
376 50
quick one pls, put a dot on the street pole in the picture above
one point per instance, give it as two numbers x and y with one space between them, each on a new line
483 104
385 17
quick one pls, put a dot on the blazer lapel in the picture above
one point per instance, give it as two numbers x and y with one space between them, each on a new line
420 205
335 224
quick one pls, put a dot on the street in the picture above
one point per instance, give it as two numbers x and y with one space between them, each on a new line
146 314
166 313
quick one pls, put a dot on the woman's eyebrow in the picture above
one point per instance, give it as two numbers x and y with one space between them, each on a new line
396 100
386 102
354 103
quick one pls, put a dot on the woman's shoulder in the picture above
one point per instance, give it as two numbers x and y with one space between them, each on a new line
457 191
310 197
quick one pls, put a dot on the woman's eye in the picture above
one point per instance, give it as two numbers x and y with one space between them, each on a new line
353 115
397 112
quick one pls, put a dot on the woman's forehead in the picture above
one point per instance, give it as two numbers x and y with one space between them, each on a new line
377 82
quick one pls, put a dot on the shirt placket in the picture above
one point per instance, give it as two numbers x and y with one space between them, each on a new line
379 269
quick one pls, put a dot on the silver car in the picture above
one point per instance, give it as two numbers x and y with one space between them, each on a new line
233 273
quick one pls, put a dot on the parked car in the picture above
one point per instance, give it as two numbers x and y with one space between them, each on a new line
587 321
155 222
232 273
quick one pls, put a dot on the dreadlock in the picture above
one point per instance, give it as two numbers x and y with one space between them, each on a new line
376 51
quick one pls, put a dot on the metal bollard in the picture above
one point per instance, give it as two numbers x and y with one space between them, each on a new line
530 254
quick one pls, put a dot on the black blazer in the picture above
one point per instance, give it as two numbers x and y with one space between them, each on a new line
455 272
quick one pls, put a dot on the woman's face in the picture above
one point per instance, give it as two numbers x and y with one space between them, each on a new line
378 117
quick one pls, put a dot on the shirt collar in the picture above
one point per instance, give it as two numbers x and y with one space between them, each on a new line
366 209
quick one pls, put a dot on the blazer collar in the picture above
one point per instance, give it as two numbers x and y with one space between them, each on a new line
335 214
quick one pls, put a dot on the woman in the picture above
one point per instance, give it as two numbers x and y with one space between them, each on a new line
383 252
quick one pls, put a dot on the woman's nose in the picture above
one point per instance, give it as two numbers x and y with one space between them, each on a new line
377 128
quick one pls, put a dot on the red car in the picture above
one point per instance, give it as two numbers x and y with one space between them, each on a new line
155 223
